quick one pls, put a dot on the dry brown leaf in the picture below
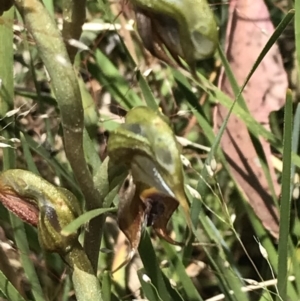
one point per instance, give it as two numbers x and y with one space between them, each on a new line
249 28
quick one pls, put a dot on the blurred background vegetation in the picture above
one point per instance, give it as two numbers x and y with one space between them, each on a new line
235 253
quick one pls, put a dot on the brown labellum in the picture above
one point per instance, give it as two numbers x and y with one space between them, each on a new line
140 208
24 208
158 211
27 212
131 212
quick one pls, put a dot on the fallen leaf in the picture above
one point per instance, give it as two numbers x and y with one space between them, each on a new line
249 28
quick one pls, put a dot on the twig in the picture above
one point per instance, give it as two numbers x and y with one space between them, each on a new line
251 287
187 143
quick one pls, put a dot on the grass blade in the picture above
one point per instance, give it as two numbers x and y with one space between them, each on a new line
9 290
297 33
23 247
148 95
149 259
296 136
106 286
285 200
84 218
179 269
148 288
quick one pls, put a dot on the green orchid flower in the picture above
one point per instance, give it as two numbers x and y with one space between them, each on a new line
186 28
50 209
42 205
146 144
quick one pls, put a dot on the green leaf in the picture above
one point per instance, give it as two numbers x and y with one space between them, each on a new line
9 290
149 259
285 203
148 288
106 286
84 218
107 74
27 264
297 33
148 95
179 269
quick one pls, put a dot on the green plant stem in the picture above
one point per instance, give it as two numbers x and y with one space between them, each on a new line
73 19
54 55
86 284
